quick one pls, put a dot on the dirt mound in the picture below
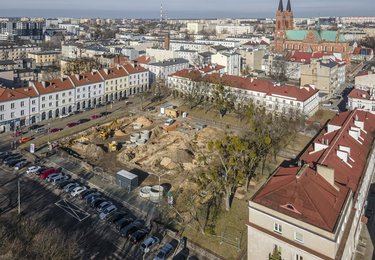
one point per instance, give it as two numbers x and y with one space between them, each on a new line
209 133
181 155
119 133
143 121
90 151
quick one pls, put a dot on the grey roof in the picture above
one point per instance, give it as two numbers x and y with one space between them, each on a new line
7 62
206 54
169 62
330 64
127 175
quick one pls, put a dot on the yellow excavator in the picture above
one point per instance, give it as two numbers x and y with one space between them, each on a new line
113 146
105 133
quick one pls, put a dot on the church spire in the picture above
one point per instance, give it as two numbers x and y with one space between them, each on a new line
281 8
288 7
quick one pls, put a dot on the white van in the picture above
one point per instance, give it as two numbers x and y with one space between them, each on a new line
55 180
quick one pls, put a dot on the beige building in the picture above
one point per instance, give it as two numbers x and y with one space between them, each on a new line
323 73
252 58
365 79
46 58
315 208
13 52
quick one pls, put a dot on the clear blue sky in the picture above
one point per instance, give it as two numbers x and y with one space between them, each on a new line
183 8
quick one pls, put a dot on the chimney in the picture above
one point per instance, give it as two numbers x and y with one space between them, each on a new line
328 174
167 41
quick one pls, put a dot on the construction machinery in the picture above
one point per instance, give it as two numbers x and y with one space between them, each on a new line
81 140
109 130
113 146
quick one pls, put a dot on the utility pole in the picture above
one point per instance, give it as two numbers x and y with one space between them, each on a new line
19 197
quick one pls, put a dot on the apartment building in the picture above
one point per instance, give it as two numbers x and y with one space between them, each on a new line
328 74
89 89
225 43
362 99
45 58
14 52
234 29
230 60
315 209
16 107
280 99
365 79
161 70
138 80
115 82
56 97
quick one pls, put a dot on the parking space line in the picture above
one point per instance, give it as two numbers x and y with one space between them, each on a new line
72 209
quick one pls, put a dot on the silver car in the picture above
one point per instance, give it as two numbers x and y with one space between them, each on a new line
107 211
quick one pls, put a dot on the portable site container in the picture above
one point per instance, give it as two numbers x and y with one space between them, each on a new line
127 180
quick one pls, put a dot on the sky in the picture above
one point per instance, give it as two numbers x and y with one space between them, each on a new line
183 8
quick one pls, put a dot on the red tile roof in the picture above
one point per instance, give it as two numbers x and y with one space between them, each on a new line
54 85
297 56
86 78
362 51
9 94
211 68
132 69
143 59
258 85
311 198
359 94
113 72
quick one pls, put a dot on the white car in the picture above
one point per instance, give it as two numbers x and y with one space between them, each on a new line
107 211
169 122
53 175
77 190
149 243
33 169
63 116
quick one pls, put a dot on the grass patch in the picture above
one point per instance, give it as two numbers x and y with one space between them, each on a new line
322 116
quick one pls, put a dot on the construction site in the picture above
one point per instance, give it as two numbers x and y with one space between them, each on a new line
146 143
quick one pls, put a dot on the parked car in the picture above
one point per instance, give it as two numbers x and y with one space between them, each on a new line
138 235
62 184
150 108
10 158
96 201
116 216
68 188
182 255
3 155
53 175
20 165
169 122
60 179
119 224
83 120
71 124
16 134
42 168
107 211
54 130
63 116
95 116
131 228
86 192
33 169
328 104
33 127
105 113
149 243
41 130
91 195
24 140
77 190
12 163
103 205
167 250
44 174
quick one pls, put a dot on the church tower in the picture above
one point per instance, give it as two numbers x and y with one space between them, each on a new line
284 22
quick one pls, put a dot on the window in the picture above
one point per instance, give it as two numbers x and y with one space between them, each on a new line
50 97
43 98
298 257
298 237
43 105
373 108
12 115
22 112
277 228
12 105
2 108
1 117
22 103
50 104
63 94
33 102
33 109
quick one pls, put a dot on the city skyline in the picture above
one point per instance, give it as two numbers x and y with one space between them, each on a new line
182 9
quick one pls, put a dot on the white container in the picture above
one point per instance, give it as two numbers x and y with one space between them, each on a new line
134 137
156 193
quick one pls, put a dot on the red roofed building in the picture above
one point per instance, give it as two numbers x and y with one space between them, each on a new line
263 93
362 99
362 54
313 209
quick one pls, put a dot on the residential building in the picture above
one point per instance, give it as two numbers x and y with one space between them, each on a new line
362 99
56 97
138 80
89 89
326 73
115 82
318 40
284 99
16 106
161 70
225 43
231 61
188 45
45 58
234 29
365 78
362 54
251 58
191 56
15 52
314 209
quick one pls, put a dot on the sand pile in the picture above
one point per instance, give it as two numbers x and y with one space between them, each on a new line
143 121
90 151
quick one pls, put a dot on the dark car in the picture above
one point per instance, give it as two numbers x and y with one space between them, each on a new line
33 127
131 228
14 162
86 192
116 216
138 235
77 112
83 120
12 158
96 202
71 124
4 155
167 250
54 130
42 168
105 113
91 195
95 116
123 222
150 108
61 185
